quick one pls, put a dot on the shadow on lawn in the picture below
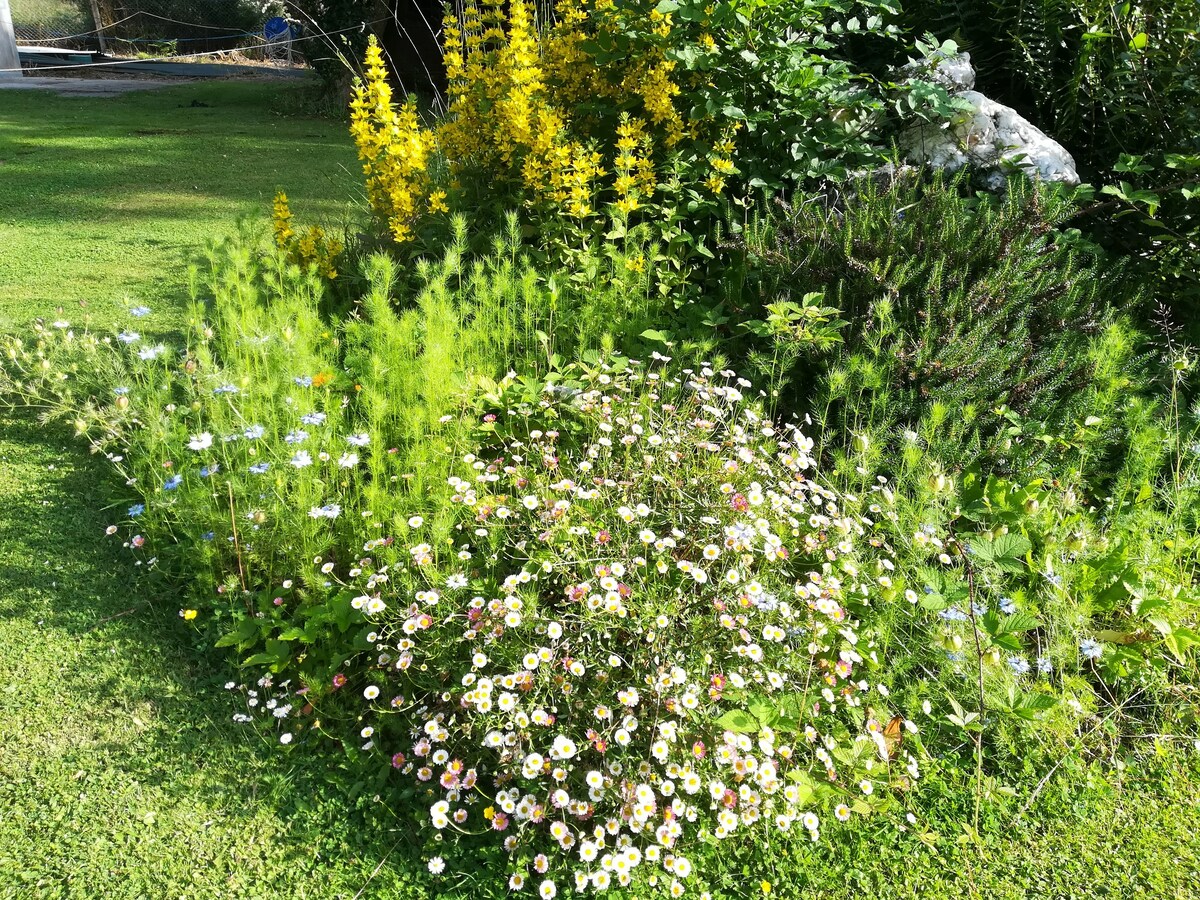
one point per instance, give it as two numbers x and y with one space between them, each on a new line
60 574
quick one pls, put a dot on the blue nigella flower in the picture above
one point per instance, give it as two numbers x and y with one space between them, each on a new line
207 536
295 437
315 418
152 352
1019 665
303 381
254 432
173 482
259 468
358 440
301 459
1008 605
139 311
978 608
329 511
136 510
128 337
1044 666
120 391
1090 649
225 389
205 471
953 614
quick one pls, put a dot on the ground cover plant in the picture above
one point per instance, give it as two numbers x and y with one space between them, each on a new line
483 514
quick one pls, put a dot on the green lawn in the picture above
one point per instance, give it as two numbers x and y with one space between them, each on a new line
106 198
121 772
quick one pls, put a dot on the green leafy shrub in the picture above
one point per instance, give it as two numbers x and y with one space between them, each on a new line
1103 78
1117 84
1036 602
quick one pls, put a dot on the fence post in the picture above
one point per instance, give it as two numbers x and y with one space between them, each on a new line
99 26
9 59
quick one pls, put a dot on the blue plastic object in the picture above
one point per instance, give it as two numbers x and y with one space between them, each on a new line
277 28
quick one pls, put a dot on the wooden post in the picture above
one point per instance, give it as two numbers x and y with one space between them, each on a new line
9 60
99 26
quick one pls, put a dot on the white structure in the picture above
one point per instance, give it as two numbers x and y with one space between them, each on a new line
9 60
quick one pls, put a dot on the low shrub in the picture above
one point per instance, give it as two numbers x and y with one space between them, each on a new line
875 306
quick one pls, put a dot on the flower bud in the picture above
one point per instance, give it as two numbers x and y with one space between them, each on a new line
951 642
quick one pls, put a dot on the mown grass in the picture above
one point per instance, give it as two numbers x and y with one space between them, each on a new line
121 773
106 198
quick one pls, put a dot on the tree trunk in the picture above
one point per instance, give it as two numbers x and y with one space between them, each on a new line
411 40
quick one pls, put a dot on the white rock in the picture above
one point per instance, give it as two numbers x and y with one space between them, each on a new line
989 137
954 72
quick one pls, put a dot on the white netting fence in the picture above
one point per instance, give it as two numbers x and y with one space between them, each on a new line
130 27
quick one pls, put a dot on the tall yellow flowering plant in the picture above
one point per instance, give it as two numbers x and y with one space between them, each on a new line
517 117
395 151
618 112
309 247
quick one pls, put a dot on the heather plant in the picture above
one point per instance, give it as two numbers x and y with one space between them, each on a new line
901 294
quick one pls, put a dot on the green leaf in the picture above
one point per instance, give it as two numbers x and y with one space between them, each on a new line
1009 642
1029 706
247 630
660 337
1019 621
1011 546
991 623
804 784
933 602
1181 640
764 711
738 721
667 6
